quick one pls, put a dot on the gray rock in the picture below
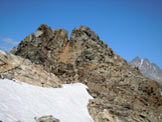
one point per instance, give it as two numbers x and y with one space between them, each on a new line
148 69
49 118
15 67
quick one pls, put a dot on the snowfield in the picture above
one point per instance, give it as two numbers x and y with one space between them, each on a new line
22 102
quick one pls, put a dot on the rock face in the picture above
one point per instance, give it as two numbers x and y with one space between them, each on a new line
15 67
148 69
121 93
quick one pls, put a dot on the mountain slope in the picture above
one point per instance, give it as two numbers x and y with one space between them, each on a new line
121 93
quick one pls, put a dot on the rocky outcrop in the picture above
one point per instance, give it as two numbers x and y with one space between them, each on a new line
15 67
49 118
121 93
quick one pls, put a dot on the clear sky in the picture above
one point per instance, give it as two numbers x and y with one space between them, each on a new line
130 27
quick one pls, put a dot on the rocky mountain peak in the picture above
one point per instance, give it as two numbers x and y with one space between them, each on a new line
137 58
83 33
53 46
148 68
44 30
121 93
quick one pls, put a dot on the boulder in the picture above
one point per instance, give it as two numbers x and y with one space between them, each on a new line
49 118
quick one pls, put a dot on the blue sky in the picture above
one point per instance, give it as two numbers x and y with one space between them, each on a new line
130 27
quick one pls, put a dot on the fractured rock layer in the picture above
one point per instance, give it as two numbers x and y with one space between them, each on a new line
15 67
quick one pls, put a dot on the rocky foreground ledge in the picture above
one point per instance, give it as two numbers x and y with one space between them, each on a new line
15 67
121 93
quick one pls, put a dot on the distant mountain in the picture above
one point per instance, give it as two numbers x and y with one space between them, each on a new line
148 68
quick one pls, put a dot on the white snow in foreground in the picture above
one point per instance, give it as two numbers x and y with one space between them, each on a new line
23 102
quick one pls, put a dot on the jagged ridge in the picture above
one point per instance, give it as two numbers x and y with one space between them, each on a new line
120 92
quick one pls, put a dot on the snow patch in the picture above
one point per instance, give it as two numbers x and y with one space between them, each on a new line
22 102
141 63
